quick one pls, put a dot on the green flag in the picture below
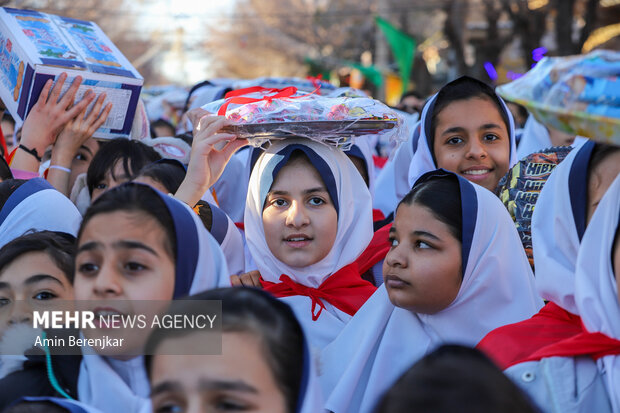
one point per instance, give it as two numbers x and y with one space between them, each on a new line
371 73
403 48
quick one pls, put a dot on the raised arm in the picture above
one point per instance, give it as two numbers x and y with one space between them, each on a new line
211 151
46 119
77 131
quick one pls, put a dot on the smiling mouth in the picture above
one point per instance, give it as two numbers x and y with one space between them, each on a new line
476 172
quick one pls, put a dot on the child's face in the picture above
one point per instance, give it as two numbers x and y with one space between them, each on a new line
600 180
32 281
123 268
112 179
237 380
471 140
422 270
124 256
84 156
299 217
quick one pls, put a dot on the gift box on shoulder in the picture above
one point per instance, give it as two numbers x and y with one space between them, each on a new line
35 47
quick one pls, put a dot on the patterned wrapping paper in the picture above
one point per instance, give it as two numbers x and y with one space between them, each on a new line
576 94
520 187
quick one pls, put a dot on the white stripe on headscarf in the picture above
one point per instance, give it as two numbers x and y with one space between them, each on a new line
596 292
37 206
422 160
382 341
555 237
122 386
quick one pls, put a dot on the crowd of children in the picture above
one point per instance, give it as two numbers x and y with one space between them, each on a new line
345 287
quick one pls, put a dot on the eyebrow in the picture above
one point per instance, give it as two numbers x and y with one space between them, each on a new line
426 234
134 245
4 285
124 244
453 130
41 277
461 129
86 148
305 192
236 385
167 386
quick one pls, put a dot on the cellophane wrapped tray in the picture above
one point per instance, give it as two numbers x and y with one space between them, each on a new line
575 94
305 85
262 115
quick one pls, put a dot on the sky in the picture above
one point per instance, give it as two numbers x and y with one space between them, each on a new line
179 64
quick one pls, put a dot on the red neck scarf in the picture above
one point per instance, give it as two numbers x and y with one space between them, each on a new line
515 343
595 345
344 289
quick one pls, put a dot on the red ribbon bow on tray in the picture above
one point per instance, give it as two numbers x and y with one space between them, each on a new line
237 96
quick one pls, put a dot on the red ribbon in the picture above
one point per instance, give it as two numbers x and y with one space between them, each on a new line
316 80
237 96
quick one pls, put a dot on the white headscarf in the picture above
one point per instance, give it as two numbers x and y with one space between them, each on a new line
230 239
348 191
113 385
231 189
423 161
393 180
596 293
535 138
363 149
558 223
36 205
382 341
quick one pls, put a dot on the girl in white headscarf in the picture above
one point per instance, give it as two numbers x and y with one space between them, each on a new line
562 212
456 270
308 218
135 243
466 128
581 373
35 205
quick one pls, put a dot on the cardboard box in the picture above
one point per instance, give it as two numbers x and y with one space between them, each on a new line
35 47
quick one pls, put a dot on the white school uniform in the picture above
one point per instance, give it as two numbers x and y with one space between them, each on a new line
382 341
